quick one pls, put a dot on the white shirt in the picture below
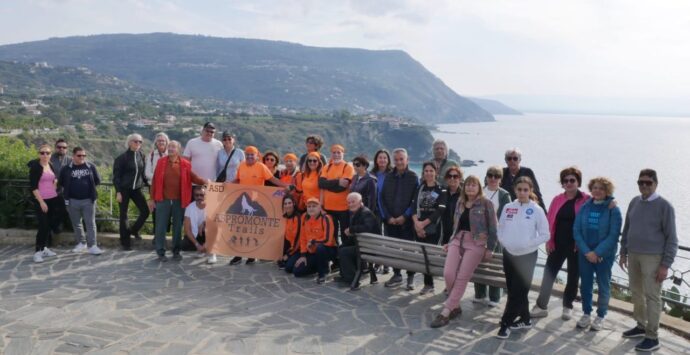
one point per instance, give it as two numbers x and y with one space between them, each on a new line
204 156
523 227
493 196
151 162
196 217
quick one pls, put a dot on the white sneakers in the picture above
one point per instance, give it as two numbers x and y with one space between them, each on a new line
38 257
567 313
212 259
538 312
598 324
95 250
585 321
79 248
48 253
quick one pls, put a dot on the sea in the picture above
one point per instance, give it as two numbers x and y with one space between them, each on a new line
617 147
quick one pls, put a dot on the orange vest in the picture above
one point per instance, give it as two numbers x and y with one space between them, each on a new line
336 201
293 226
314 231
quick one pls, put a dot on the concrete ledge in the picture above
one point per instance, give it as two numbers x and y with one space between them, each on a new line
112 241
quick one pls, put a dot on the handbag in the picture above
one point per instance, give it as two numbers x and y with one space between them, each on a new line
224 173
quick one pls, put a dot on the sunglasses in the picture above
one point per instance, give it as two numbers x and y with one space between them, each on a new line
136 141
62 147
44 153
453 176
357 165
81 155
311 142
227 139
522 190
211 131
645 182
270 159
512 158
312 161
568 181
493 176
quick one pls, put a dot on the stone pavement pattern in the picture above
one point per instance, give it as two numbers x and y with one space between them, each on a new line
129 303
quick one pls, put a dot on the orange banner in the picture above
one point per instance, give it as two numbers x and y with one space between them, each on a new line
244 220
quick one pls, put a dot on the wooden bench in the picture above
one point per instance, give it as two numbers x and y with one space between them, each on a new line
418 257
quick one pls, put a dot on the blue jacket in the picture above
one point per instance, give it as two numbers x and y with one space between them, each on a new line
610 222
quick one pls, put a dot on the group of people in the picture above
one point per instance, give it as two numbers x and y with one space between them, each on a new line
329 201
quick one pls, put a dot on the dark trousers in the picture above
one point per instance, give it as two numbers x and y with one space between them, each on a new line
341 220
432 239
403 232
494 292
46 220
290 262
139 200
62 219
554 262
519 271
187 245
317 262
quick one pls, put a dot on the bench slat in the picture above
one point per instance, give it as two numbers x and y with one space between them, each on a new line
402 264
402 254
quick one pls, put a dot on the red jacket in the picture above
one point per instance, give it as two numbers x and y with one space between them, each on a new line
185 180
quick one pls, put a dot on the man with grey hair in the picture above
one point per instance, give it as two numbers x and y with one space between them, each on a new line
513 171
440 151
397 193
128 179
362 220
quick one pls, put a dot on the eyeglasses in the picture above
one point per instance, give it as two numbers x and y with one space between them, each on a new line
357 164
493 176
311 142
81 155
227 139
44 153
522 190
270 159
568 181
312 161
62 147
453 176
137 141
645 183
210 131
513 158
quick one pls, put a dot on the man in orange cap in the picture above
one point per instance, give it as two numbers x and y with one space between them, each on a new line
317 242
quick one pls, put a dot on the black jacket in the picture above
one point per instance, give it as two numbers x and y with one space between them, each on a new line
128 171
448 215
364 221
508 180
397 194
35 172
66 178
366 186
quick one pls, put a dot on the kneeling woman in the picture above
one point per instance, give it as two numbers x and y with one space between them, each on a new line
596 232
523 227
473 239
293 224
316 241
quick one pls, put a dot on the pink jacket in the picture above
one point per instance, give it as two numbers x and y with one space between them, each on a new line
555 206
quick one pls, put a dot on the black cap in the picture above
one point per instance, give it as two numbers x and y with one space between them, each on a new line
209 125
228 134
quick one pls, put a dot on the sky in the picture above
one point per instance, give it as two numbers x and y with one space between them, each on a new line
529 53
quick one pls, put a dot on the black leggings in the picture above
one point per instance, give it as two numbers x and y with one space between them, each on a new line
519 270
140 201
553 264
46 220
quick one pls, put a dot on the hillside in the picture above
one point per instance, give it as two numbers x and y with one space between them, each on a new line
262 72
495 107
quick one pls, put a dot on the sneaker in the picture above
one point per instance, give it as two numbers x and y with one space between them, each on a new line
177 257
455 313
321 280
538 312
636 332
162 258
200 255
479 300
212 259
236 260
47 252
648 345
394 281
503 332
250 261
598 323
410 283
584 321
440 321
567 313
491 304
95 250
427 289
521 325
38 257
81 247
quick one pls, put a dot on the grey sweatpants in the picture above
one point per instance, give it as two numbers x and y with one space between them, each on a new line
83 210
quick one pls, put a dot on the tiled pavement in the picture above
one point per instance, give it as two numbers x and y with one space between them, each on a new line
129 303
